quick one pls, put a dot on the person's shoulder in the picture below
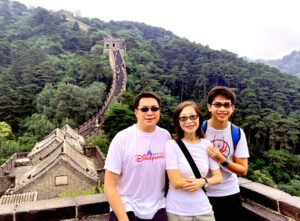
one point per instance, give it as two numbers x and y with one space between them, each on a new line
163 131
205 141
171 142
125 132
241 129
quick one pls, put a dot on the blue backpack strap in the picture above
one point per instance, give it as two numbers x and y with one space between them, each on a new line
204 126
236 135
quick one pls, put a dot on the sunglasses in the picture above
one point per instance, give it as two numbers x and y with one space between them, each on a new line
146 109
191 117
225 105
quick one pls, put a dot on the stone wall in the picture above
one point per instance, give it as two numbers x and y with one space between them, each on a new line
9 165
46 187
262 202
5 183
57 209
259 201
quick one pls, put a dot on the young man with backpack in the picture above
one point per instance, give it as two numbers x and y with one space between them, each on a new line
230 150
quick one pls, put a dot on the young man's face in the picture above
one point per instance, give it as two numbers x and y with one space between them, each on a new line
147 120
221 109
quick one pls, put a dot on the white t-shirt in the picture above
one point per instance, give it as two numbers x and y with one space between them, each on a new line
222 139
139 159
181 202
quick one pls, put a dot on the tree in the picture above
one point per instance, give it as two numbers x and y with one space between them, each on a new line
70 103
5 131
117 118
37 125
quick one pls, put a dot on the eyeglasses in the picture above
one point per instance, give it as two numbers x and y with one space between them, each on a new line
191 117
146 109
225 105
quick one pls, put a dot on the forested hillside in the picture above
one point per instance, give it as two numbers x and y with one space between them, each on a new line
289 63
53 72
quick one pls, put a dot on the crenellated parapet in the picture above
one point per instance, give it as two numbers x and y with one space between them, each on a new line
111 43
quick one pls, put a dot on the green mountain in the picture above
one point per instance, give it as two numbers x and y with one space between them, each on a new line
53 71
289 63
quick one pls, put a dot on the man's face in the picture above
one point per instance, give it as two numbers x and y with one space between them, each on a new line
147 120
221 109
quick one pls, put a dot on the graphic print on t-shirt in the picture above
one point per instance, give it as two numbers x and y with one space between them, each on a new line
222 145
149 156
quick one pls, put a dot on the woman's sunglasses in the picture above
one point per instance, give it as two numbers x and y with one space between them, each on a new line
146 109
191 117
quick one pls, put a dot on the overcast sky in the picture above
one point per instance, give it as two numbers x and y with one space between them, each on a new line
267 29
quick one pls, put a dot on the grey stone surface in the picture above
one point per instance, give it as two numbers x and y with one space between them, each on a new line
257 212
91 205
262 194
54 209
6 212
290 206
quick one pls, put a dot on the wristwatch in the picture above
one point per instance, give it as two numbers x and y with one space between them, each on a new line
225 162
206 182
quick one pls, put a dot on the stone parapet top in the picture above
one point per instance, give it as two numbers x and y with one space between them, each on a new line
56 209
290 206
275 202
274 199
263 189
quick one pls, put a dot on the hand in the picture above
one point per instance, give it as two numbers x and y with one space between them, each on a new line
194 185
215 154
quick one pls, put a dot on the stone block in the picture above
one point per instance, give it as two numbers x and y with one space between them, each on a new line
7 212
253 211
95 204
244 181
290 206
46 210
262 194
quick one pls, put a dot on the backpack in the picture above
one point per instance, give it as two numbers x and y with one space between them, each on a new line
235 133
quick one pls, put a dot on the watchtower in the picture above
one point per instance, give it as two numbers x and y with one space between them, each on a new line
111 43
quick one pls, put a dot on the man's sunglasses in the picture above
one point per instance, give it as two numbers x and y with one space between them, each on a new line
146 109
191 117
225 105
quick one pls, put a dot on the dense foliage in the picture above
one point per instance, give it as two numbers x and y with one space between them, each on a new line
53 72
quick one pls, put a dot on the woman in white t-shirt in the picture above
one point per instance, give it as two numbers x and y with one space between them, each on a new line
186 199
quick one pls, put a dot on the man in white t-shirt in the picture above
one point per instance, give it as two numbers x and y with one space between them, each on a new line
225 197
135 165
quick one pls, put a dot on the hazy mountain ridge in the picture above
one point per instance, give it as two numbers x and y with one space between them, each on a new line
289 64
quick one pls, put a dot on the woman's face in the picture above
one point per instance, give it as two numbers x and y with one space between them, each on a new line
189 120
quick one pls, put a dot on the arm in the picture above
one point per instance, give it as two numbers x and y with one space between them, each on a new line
110 190
176 180
238 166
196 184
216 177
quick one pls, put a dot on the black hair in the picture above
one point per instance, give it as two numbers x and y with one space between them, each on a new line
146 95
221 91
